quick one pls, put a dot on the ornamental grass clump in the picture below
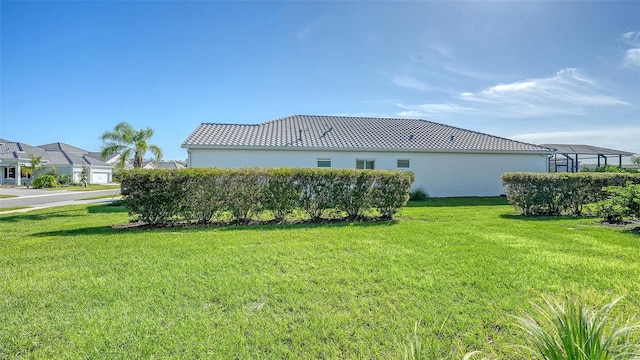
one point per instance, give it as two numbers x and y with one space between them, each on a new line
573 331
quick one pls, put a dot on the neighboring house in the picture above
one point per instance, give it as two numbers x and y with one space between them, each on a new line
66 159
447 161
162 165
573 157
111 159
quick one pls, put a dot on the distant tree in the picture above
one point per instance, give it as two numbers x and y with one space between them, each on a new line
84 176
636 159
129 143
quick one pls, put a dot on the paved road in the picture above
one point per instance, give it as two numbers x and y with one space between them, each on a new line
42 198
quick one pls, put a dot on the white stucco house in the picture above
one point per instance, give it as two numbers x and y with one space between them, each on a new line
447 161
66 159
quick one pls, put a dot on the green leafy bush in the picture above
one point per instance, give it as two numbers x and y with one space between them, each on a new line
166 197
610 168
418 195
536 194
391 191
45 181
280 196
622 201
64 179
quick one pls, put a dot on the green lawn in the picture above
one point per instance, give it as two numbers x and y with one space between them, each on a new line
14 208
72 287
5 196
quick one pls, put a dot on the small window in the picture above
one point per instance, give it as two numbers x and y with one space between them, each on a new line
403 163
324 163
366 164
10 172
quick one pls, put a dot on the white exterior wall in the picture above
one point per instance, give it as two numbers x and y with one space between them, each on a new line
440 174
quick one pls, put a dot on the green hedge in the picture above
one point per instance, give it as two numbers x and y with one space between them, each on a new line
166 197
535 194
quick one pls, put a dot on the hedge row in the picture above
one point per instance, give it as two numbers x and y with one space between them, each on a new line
165 197
535 194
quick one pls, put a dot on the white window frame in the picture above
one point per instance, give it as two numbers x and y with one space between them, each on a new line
403 167
318 160
365 164
7 172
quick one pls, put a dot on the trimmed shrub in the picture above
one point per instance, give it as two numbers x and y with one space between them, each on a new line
244 193
155 197
352 190
45 181
391 191
204 195
280 194
623 201
536 194
315 189
166 197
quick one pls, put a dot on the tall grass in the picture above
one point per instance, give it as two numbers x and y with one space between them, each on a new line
572 331
432 350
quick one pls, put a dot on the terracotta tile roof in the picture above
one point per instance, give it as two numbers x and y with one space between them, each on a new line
354 133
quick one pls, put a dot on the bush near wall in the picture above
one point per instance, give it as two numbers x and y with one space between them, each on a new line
537 194
167 197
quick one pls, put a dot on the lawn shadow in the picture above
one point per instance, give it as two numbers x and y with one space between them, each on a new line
134 228
306 225
94 230
109 208
460 201
50 214
544 218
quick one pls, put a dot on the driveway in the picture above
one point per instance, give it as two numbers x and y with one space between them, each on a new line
38 199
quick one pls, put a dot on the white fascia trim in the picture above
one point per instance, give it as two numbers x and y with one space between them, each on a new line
461 151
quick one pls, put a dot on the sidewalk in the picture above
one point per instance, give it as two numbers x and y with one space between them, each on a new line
32 199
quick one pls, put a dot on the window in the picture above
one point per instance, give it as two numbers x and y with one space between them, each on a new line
9 172
324 163
403 163
366 164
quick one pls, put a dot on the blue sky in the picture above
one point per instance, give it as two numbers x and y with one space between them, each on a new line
540 72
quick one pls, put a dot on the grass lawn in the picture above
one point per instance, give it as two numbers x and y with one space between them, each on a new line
99 197
4 196
14 208
72 287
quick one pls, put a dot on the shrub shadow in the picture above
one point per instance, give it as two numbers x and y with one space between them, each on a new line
543 218
139 228
109 208
95 230
305 225
21 217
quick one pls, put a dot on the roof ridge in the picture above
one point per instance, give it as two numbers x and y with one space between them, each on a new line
353 132
232 124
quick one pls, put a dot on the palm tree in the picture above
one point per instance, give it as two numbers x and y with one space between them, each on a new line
34 166
128 142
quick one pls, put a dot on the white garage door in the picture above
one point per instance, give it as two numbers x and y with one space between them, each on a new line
99 178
